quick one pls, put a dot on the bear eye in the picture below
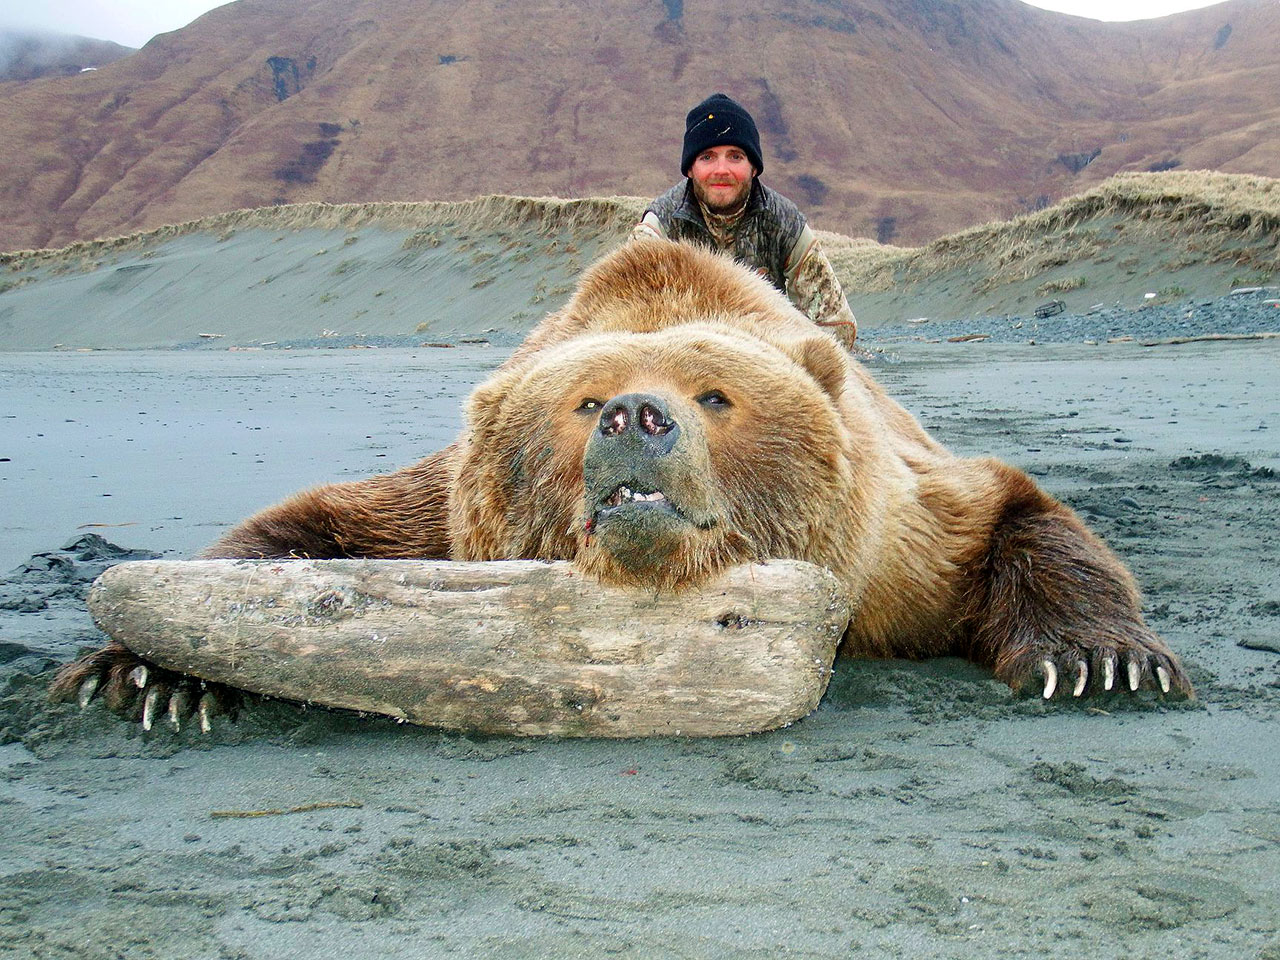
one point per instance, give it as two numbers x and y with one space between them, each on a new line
590 405
714 398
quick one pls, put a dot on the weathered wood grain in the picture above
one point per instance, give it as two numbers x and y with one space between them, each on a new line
514 647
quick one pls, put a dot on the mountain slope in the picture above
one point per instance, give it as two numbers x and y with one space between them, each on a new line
898 119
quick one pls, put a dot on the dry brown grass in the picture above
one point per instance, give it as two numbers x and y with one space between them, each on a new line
862 261
1223 216
1064 285
594 215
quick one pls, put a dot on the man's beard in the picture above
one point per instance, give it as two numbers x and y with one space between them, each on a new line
733 205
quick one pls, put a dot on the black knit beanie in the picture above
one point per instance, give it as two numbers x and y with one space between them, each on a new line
716 122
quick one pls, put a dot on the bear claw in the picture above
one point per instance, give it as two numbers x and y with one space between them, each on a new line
87 691
1135 674
1082 677
209 707
1104 671
180 707
151 705
1050 678
139 692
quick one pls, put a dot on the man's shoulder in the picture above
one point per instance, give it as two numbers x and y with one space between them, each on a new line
672 200
778 215
779 206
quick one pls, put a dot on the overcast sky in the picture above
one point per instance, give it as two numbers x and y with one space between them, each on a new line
134 22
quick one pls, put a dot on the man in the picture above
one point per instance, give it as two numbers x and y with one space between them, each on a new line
723 204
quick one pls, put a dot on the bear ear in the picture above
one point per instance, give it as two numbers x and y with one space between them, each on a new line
484 406
825 360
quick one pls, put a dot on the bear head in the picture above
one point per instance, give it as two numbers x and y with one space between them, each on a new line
658 458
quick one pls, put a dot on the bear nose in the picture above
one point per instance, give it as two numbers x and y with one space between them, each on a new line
642 415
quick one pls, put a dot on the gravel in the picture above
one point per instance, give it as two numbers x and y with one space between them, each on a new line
1254 311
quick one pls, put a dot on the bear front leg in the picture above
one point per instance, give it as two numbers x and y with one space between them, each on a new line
1052 603
142 692
402 515
398 515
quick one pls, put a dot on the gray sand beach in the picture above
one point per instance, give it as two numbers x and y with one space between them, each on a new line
922 812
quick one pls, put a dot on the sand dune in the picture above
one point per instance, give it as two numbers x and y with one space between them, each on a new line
410 273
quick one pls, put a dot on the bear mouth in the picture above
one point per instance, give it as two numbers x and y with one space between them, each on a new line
623 496
633 499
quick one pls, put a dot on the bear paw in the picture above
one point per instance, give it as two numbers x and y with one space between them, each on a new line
142 692
1132 663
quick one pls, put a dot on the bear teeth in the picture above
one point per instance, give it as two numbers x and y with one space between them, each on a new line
625 494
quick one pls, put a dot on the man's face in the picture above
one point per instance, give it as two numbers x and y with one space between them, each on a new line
721 178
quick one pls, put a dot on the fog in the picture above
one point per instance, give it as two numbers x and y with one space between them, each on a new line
128 22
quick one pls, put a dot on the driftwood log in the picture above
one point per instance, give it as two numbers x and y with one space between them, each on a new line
514 647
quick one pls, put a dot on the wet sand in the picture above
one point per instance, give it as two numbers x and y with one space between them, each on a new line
921 812
166 449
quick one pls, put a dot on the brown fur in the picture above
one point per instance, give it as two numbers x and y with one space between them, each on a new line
401 515
807 458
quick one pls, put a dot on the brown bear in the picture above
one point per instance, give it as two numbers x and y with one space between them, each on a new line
678 416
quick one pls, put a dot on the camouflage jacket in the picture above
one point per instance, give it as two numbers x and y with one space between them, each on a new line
772 237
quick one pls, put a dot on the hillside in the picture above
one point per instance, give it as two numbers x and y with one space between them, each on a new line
900 120
442 272
1174 235
487 270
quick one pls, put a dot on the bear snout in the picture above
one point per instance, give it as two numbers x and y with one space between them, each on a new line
645 473
640 419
